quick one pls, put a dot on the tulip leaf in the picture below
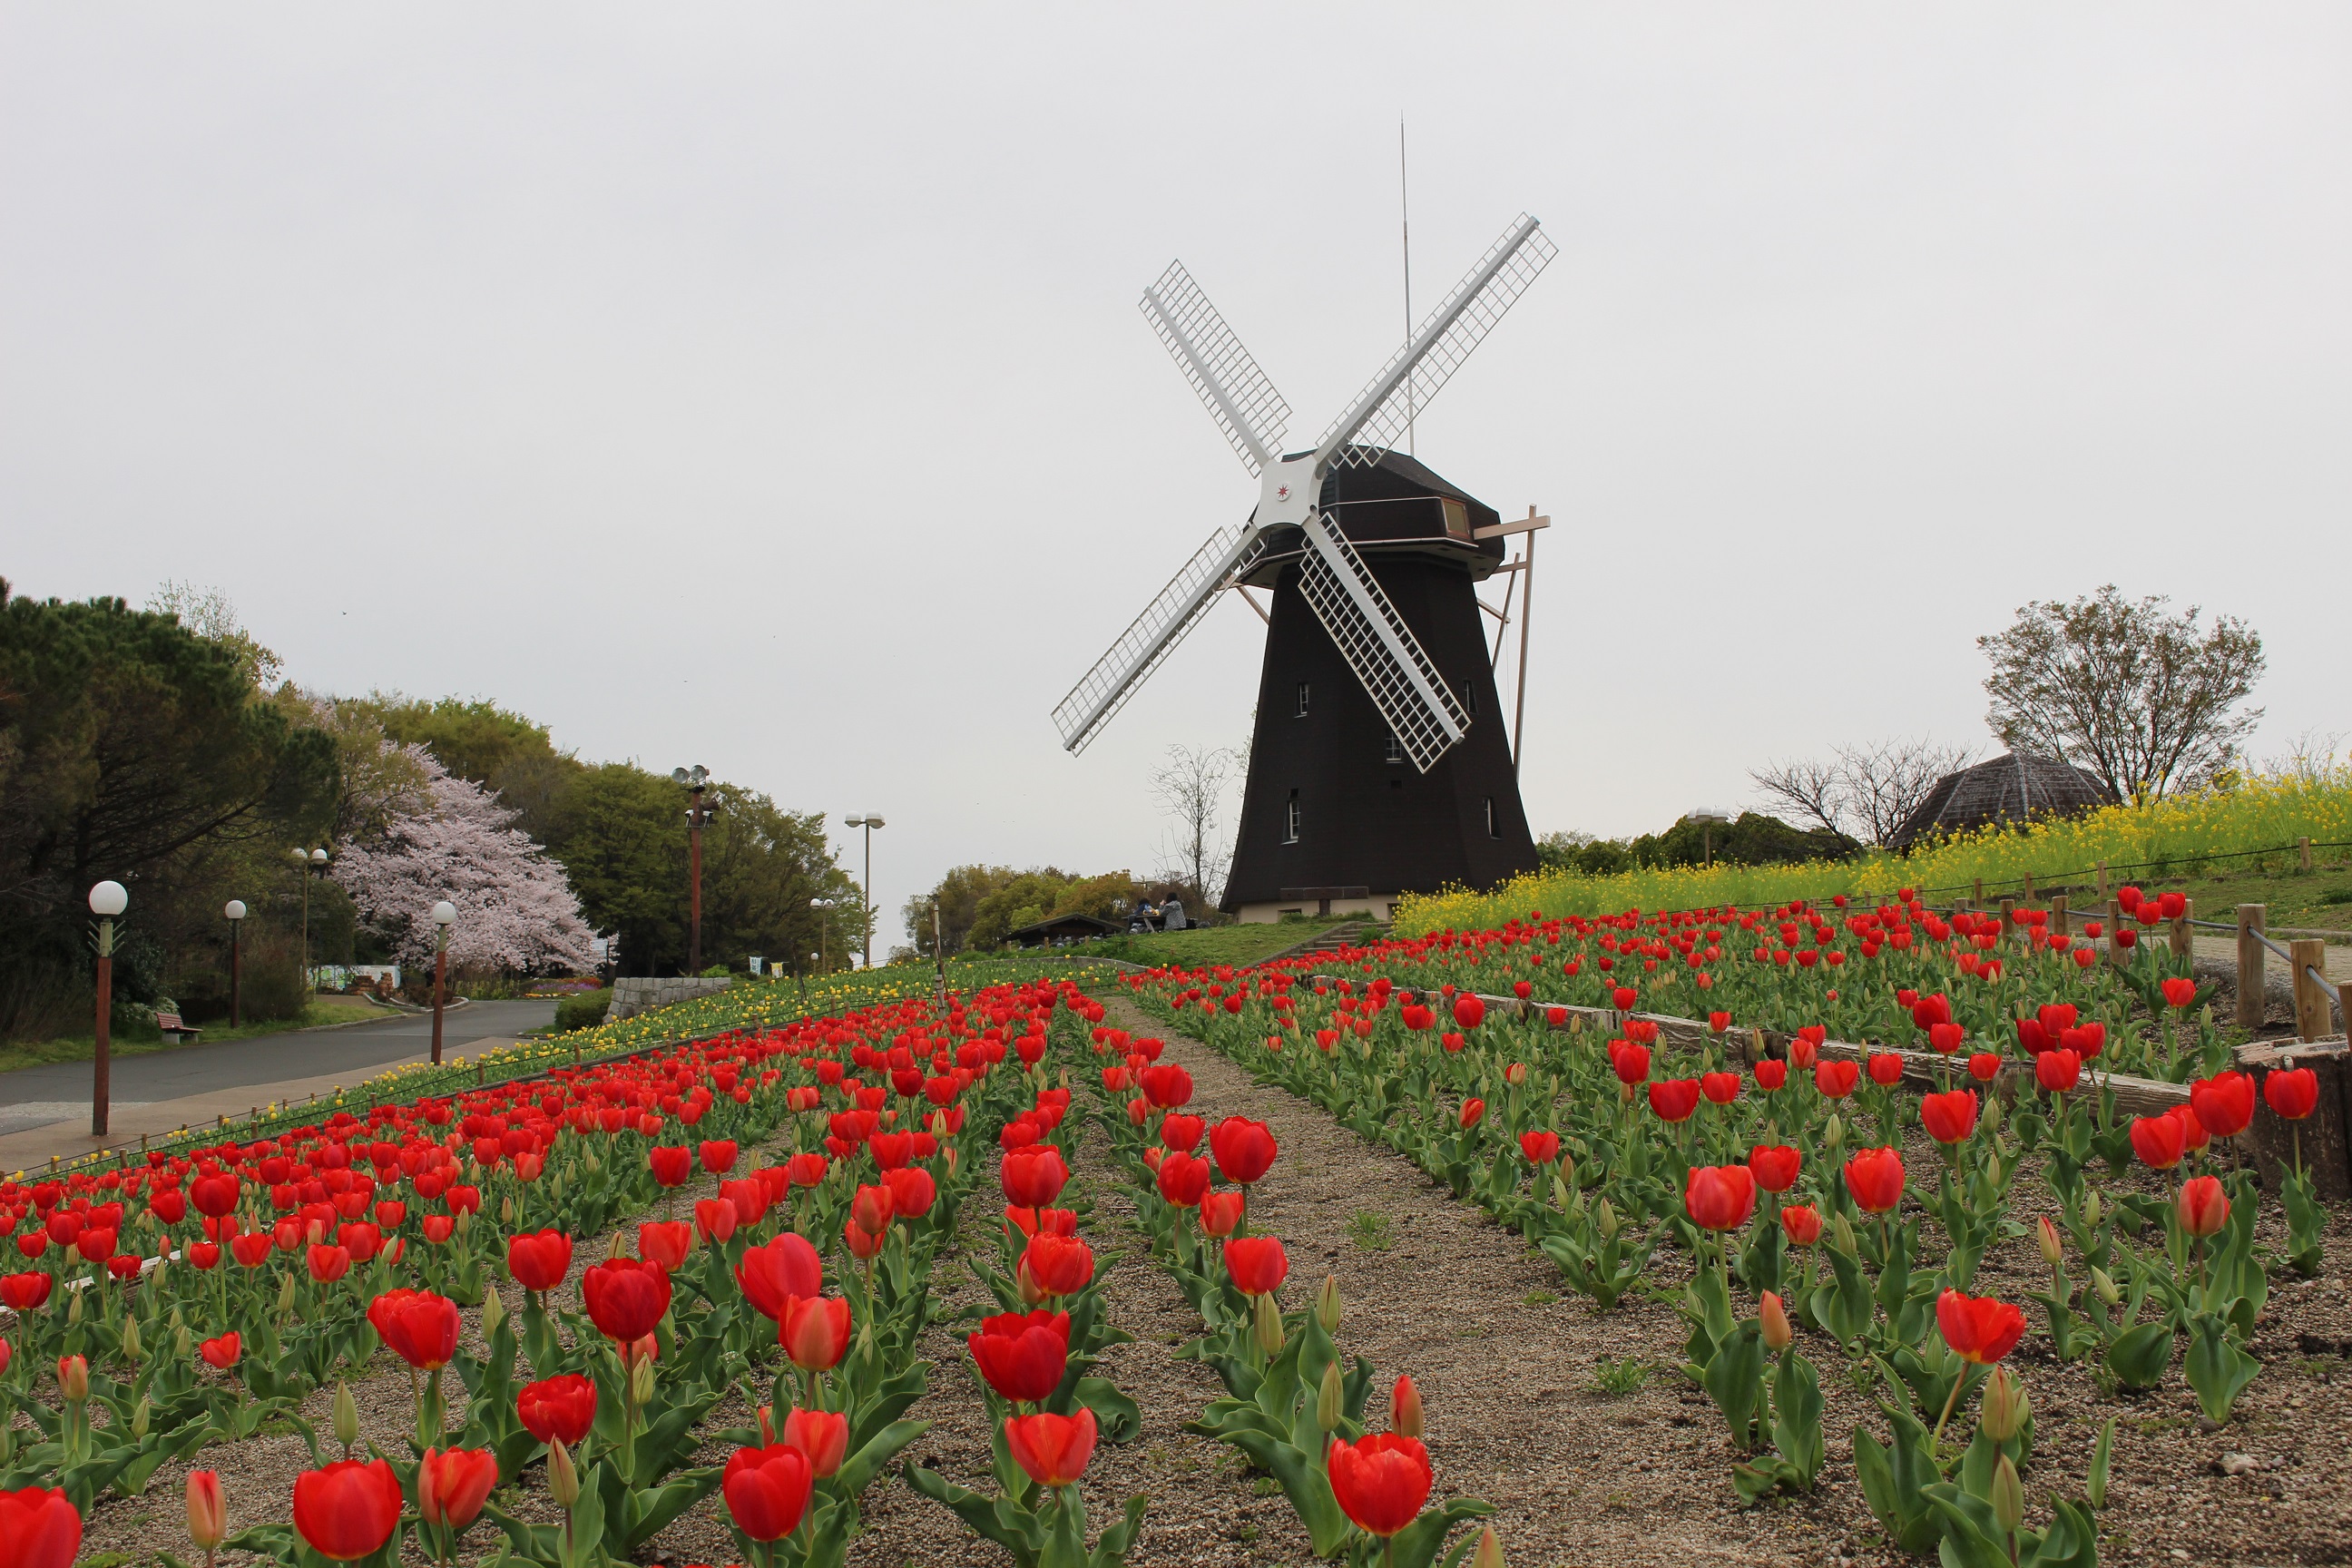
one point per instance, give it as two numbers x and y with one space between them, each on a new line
858 1470
1418 1543
2216 1368
2140 1355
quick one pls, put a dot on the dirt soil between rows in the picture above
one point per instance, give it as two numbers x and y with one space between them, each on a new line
1509 1368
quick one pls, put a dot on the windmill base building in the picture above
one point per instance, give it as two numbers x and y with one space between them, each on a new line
1335 818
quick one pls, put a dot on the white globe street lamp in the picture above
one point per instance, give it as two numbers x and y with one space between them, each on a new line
106 901
444 914
233 912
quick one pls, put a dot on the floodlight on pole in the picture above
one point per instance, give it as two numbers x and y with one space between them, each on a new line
107 900
1707 817
869 821
696 779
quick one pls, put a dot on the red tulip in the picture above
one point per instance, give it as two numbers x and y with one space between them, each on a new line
2224 1103
1243 1149
1541 1148
1771 1075
2292 1092
1381 1480
24 1292
1468 1012
1720 1197
625 1297
822 1434
1178 1130
672 1167
767 1489
2181 993
215 1195
1774 1166
912 1191
207 1511
1033 1176
814 1332
96 1243
329 1264
1950 1117
1978 1328
1836 1079
1719 1087
807 1169
1874 1179
718 1155
223 1351
1183 1179
1945 1038
1256 1264
539 1261
557 1409
1022 1356
666 1242
420 1327
453 1484
1221 1213
1886 1068
2058 1072
1054 1449
1630 1062
714 1219
38 1529
1801 1223
1060 1265
1675 1098
2203 1208
773 1275
1472 1109
2193 1133
1167 1086
170 1205
347 1509
2158 1140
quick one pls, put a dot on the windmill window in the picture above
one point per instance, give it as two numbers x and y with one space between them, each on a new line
1302 700
1457 517
1494 828
1290 820
1395 751
1470 697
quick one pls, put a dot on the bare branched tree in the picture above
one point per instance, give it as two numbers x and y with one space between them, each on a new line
1881 785
1190 785
2142 699
1868 790
1813 790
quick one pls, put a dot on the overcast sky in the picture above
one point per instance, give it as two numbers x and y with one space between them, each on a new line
764 388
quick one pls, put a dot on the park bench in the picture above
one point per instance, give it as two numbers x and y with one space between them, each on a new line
173 1029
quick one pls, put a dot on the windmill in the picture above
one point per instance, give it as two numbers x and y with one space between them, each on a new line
1327 812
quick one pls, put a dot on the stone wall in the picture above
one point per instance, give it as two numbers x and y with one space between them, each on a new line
637 994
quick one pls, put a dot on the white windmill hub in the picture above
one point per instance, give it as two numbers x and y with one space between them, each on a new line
1287 492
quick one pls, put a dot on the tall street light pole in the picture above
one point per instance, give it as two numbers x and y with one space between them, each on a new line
696 779
870 821
822 921
234 912
305 862
443 914
105 901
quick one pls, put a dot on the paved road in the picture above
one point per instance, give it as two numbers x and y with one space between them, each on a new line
35 1096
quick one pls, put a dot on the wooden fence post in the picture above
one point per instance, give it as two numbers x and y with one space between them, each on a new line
2251 920
2310 995
2102 879
2303 851
2008 917
2184 935
2028 887
1978 898
2059 923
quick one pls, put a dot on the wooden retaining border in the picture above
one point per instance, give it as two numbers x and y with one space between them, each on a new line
2325 1135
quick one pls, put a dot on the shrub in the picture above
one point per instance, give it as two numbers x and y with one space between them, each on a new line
584 1011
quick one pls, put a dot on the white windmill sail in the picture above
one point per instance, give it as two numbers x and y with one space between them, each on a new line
1369 634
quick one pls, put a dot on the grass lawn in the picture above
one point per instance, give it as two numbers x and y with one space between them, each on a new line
1203 945
2320 899
17 1054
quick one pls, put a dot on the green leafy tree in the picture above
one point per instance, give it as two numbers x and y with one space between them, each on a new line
2146 701
500 749
131 748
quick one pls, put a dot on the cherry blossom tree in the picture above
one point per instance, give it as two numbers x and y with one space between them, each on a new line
516 910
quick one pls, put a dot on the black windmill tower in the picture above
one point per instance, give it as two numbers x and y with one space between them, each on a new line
1371 773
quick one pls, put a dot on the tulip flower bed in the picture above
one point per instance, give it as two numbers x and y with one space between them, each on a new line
1813 1220
759 1341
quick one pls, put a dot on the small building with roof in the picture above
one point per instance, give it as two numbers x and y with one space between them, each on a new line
2010 790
